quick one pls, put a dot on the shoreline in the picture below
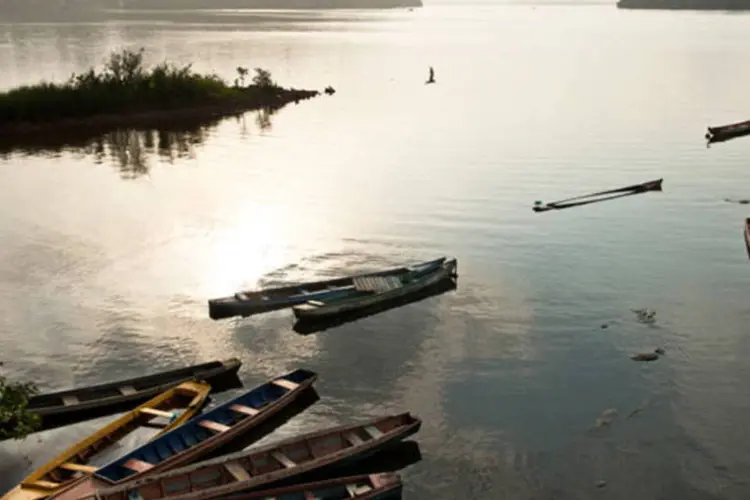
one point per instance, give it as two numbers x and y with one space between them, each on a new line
683 5
152 117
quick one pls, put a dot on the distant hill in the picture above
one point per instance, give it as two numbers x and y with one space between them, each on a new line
263 4
67 10
685 4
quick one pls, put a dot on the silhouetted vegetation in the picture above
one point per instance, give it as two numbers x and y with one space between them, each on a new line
125 86
16 422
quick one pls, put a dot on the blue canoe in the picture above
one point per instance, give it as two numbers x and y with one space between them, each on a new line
199 436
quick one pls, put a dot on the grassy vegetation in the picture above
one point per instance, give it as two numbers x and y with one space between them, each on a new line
126 85
15 420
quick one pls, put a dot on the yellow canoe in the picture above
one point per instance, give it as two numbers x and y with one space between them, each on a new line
71 465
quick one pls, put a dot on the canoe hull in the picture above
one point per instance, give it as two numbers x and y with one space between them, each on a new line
447 270
62 470
279 465
106 399
160 454
747 236
725 132
289 296
384 486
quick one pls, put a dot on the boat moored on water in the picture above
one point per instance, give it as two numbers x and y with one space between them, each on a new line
248 303
372 290
68 467
275 465
76 405
724 132
199 436
747 236
380 486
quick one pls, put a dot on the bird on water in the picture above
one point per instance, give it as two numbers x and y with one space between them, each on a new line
431 79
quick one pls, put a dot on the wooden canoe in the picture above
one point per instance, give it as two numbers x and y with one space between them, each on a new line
67 467
607 195
198 437
274 465
247 303
76 405
747 236
371 291
381 486
724 132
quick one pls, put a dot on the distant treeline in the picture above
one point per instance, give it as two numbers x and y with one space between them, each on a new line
685 4
20 10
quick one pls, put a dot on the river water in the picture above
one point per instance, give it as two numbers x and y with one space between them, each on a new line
112 246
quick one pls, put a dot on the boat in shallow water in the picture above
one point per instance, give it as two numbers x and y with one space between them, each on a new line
372 290
747 236
76 405
724 132
70 465
248 303
198 437
381 486
275 465
609 194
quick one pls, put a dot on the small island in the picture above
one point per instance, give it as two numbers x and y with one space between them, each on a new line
685 4
126 92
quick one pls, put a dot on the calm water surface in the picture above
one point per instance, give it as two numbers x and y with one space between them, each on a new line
111 247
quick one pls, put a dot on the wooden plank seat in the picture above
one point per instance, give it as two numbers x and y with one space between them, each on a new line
244 409
377 284
47 485
214 426
286 384
137 465
373 431
237 471
316 303
353 438
157 413
355 490
70 400
283 459
127 390
88 469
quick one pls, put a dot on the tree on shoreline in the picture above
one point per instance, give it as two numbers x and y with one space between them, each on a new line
126 84
16 422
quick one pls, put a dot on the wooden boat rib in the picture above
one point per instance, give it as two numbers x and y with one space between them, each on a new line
247 303
747 236
76 405
372 290
381 486
199 436
72 463
268 466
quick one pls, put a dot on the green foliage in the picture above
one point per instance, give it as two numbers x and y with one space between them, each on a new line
15 420
124 84
263 79
241 74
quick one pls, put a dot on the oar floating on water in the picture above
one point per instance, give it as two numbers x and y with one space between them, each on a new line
610 194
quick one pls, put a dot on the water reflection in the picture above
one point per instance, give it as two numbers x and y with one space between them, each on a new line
131 150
